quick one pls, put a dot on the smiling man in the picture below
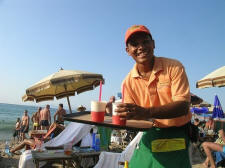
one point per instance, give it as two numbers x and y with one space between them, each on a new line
156 89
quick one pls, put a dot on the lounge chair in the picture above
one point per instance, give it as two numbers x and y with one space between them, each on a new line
74 132
112 160
39 137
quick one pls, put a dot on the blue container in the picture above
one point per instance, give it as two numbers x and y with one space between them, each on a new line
93 140
97 142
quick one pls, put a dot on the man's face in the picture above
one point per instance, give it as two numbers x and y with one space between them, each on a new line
60 108
25 113
141 47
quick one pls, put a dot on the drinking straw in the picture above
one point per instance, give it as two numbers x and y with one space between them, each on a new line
123 88
100 92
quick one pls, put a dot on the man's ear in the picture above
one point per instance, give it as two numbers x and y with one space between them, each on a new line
127 50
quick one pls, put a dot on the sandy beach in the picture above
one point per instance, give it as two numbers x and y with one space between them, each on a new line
8 161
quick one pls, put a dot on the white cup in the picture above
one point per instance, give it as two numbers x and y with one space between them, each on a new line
115 117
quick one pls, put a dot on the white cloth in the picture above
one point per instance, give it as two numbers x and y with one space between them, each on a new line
111 160
86 141
26 160
74 132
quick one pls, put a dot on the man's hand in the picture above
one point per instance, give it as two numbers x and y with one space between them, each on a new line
132 111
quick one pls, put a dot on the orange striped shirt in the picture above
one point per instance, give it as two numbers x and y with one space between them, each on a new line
168 83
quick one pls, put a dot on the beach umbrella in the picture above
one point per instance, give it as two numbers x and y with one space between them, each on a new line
63 83
214 79
195 99
217 110
205 104
200 110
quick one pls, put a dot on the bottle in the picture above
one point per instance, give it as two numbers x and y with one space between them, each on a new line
126 164
97 142
93 140
6 147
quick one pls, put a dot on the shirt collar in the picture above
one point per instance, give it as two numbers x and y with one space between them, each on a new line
156 68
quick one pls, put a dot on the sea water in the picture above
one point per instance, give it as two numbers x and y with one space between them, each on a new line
9 114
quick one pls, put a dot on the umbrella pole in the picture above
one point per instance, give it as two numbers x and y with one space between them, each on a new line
68 100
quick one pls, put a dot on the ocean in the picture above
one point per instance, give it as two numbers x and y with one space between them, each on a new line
9 114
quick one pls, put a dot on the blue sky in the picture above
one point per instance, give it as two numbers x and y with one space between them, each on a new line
39 37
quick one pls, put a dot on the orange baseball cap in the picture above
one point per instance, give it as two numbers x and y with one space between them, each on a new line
134 29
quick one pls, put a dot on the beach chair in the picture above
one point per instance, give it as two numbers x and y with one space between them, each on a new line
112 160
74 132
40 138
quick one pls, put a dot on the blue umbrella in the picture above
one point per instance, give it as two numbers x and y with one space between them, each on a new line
217 110
201 110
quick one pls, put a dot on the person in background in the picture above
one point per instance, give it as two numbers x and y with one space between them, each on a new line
108 109
209 125
24 125
58 116
156 90
45 118
35 119
196 122
17 129
209 147
81 108
26 143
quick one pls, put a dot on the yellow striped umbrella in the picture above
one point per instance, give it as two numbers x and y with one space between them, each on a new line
214 79
63 83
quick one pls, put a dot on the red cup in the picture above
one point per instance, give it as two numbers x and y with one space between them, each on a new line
116 120
97 111
115 117
97 116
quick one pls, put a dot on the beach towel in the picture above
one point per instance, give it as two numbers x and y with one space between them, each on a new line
74 132
111 160
86 141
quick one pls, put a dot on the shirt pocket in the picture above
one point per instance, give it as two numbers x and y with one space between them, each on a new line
164 86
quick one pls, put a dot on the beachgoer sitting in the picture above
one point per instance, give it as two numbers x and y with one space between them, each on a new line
196 122
59 115
35 119
209 124
108 108
17 130
27 143
31 143
54 130
45 118
211 146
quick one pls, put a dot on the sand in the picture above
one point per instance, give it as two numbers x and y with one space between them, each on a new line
8 161
13 161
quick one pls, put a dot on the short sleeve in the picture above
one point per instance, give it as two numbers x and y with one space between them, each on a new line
179 84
